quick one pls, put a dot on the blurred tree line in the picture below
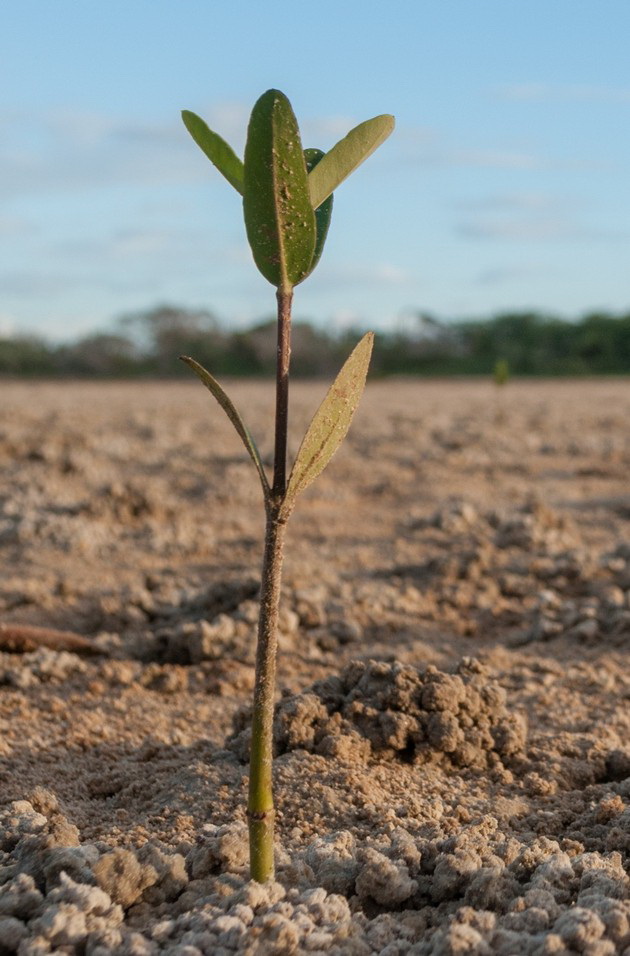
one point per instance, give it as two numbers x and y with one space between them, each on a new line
149 343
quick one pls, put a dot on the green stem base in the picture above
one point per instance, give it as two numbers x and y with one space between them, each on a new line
261 862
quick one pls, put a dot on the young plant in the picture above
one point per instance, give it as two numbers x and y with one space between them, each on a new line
287 203
501 372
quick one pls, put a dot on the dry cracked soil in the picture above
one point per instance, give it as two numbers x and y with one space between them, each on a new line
452 728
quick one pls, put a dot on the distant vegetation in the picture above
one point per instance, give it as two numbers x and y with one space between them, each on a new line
148 344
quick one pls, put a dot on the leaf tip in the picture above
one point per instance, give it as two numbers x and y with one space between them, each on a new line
368 341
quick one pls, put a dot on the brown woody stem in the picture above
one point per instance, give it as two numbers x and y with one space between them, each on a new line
283 358
260 808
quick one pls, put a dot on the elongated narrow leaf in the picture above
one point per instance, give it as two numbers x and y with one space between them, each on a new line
279 217
216 149
322 213
330 422
346 155
230 410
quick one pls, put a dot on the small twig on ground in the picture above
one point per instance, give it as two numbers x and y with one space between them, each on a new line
22 638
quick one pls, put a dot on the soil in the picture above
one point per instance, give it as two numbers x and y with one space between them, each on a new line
453 725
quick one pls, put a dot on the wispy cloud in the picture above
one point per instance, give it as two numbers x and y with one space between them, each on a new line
379 273
528 216
500 275
121 244
497 159
425 146
12 226
511 202
62 151
535 229
138 242
565 92
34 285
70 151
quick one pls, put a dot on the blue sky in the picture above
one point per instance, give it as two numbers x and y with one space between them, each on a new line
505 184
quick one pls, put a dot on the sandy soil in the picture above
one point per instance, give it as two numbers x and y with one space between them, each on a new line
453 770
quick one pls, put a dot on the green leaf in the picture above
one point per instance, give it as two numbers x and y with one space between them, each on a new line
216 149
346 155
323 212
279 217
330 422
230 410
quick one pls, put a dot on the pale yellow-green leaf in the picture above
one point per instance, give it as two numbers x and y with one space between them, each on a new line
337 164
330 422
232 413
216 149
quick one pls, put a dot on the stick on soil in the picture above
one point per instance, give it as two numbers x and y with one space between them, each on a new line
22 638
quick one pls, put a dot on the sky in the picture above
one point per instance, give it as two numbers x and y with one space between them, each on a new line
505 185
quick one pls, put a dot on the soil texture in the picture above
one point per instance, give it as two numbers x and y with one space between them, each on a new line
452 732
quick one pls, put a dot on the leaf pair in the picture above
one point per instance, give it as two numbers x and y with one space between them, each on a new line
325 433
287 191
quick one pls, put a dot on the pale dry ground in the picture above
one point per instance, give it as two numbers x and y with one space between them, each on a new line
457 520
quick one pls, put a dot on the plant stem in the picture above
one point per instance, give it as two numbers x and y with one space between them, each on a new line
284 297
260 808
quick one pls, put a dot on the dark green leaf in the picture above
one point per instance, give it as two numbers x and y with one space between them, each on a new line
323 212
346 155
230 409
279 218
216 149
330 422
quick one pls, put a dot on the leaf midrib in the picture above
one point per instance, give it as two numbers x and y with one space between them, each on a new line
285 285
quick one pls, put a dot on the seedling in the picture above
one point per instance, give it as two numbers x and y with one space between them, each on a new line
287 203
501 372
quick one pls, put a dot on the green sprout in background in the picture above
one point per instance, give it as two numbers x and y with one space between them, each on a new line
287 203
501 372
